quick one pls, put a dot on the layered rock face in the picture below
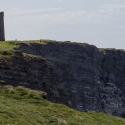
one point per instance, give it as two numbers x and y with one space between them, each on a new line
93 78
31 72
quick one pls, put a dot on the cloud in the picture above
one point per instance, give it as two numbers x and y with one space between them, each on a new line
22 11
113 6
60 0
44 17
114 10
65 17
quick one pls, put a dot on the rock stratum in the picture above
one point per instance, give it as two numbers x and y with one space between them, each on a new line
79 75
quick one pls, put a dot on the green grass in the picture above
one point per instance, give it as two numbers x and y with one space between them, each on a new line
7 49
41 41
8 45
22 106
32 56
110 49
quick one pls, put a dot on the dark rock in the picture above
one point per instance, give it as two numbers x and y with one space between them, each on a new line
29 71
93 77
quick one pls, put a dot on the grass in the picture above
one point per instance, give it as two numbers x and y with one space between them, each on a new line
7 49
8 45
110 49
41 41
22 106
32 56
14 44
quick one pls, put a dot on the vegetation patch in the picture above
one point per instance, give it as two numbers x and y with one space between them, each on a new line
8 45
20 105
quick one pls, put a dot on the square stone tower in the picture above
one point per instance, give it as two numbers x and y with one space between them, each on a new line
2 35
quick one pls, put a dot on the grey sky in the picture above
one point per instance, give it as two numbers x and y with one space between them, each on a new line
97 22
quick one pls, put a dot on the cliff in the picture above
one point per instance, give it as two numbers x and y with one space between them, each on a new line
78 75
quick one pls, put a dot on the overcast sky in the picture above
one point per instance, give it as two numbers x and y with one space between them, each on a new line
97 22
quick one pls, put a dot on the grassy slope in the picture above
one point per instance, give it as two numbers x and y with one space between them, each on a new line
21 106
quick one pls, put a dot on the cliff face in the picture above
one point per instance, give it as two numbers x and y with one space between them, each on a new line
94 78
29 71
79 75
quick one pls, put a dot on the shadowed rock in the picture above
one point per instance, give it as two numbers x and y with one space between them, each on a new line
94 78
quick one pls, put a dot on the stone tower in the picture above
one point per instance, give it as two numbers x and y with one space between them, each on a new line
2 36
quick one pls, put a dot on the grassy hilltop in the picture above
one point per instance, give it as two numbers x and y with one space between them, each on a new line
23 106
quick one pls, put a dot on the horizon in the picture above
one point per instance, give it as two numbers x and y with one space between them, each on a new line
99 23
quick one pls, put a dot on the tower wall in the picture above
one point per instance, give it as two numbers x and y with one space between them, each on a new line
2 35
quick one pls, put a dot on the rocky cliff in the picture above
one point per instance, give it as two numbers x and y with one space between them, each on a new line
30 71
79 75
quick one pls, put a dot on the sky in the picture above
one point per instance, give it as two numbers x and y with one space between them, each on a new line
97 22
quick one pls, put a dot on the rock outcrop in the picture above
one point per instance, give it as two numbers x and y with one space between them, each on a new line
94 78
30 71
79 75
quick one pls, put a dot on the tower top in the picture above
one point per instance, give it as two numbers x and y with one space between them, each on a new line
2 36
1 12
